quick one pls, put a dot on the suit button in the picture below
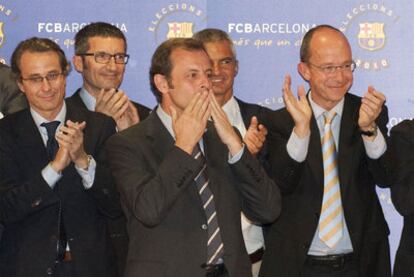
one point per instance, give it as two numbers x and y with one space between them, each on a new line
53 238
36 202
105 191
49 271
204 226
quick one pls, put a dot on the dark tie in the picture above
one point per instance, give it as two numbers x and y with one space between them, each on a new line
52 147
215 248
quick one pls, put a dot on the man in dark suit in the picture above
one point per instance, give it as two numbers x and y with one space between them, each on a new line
101 57
402 137
175 229
331 222
244 116
54 189
11 98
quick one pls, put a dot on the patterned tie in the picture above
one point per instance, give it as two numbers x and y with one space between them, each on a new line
331 220
52 147
215 248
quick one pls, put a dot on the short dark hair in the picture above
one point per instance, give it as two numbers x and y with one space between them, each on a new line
37 45
96 29
305 47
161 59
214 35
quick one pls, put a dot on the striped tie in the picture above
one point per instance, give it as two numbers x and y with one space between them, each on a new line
215 248
331 220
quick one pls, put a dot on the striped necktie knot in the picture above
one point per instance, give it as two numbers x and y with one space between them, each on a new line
329 117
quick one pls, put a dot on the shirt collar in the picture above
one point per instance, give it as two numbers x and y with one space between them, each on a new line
88 99
166 120
38 119
318 110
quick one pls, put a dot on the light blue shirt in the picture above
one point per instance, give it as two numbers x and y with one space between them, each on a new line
167 122
298 148
49 174
88 99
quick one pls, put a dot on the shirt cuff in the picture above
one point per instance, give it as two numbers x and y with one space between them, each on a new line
297 147
51 176
375 148
237 157
88 175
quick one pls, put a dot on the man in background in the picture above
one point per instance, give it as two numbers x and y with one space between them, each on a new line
11 98
101 57
244 116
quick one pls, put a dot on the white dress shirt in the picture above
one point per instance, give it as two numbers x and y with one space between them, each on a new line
252 234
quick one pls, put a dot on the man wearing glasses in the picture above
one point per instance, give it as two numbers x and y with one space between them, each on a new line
328 150
100 56
54 190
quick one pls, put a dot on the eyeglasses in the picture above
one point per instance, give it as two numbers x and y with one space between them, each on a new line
331 69
104 58
52 78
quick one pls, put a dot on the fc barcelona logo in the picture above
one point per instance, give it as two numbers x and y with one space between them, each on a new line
371 36
1 34
180 30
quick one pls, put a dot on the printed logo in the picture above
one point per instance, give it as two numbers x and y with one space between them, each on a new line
180 30
176 20
371 36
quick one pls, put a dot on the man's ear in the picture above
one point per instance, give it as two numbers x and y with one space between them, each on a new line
20 85
237 68
161 83
78 63
303 70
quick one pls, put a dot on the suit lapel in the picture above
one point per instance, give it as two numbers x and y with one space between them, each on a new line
348 141
30 141
77 100
315 155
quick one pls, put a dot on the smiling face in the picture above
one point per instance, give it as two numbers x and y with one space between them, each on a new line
190 74
225 69
327 47
45 97
97 76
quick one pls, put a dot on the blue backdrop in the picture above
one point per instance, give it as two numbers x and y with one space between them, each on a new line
267 35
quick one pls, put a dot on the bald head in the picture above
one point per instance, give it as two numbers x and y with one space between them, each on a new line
321 33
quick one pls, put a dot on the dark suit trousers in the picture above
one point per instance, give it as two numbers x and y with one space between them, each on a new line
349 269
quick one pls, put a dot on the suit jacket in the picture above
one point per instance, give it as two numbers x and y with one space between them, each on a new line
11 98
402 137
166 220
116 227
29 207
291 235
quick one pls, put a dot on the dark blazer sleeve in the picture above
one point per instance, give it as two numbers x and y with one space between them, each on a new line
147 193
103 190
381 168
19 198
402 191
261 198
285 170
